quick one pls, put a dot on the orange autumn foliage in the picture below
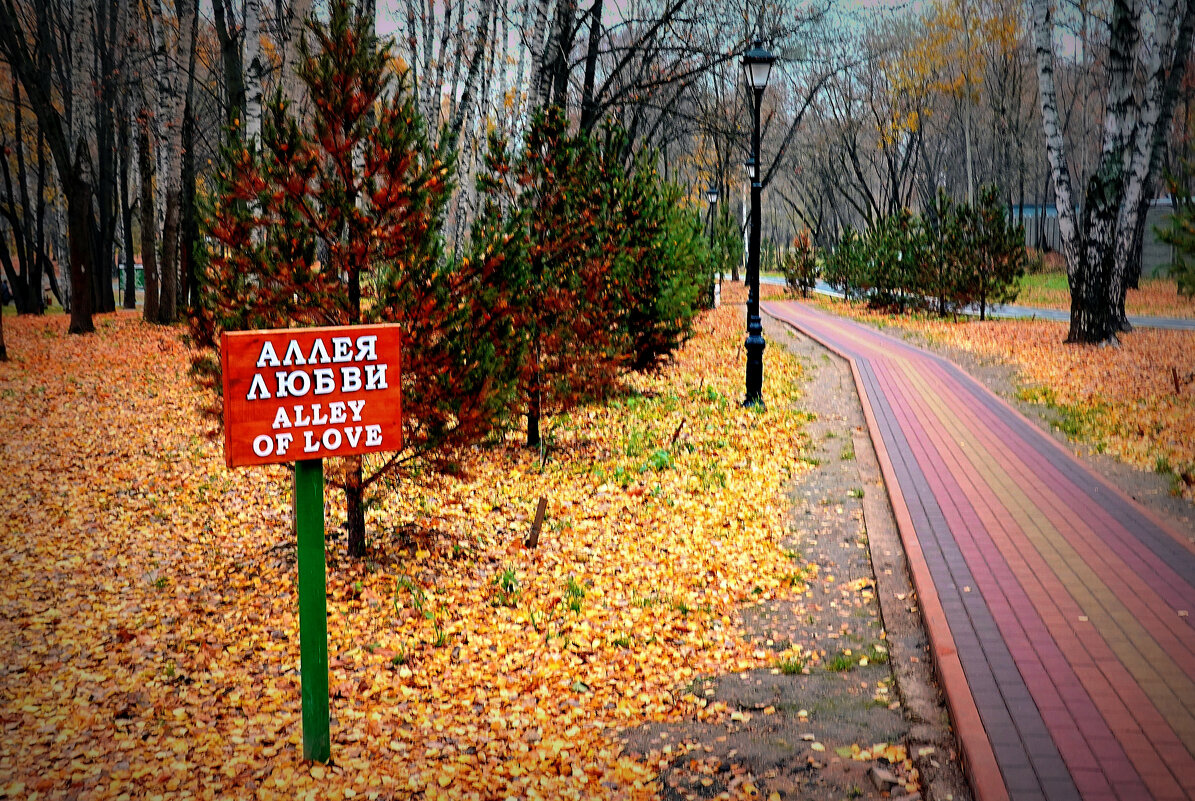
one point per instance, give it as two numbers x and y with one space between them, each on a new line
149 641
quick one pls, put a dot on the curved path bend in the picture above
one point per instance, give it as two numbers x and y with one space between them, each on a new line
1060 612
1024 312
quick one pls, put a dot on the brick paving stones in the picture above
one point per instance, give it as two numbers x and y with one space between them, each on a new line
1058 609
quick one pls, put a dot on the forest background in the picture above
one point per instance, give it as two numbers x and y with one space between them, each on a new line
112 115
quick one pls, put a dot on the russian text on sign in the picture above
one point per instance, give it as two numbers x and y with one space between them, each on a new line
352 371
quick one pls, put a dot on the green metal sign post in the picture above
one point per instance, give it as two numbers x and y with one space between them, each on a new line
313 609
339 395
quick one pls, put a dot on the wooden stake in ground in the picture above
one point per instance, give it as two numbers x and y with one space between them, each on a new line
1179 383
533 538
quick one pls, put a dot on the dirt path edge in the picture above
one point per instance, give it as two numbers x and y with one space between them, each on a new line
899 570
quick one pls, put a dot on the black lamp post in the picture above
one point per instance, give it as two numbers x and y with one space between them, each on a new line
711 195
749 168
757 64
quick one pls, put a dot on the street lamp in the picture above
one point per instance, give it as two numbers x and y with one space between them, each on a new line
757 65
711 195
744 229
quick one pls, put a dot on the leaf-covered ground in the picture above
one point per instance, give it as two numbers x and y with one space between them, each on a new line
1121 400
149 634
1156 297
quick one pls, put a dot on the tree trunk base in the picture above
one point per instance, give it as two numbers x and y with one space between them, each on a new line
1110 340
354 501
533 438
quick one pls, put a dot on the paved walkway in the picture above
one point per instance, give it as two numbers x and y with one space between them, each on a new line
1026 312
1057 608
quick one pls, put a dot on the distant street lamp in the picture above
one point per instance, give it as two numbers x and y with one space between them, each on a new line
711 195
757 65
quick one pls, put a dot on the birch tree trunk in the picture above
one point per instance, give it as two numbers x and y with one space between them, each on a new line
255 70
124 152
502 62
522 94
292 87
1146 40
435 94
538 52
149 220
589 115
463 106
1165 48
174 83
1170 97
231 61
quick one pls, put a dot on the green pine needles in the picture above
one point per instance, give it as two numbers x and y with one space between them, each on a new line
951 257
1179 230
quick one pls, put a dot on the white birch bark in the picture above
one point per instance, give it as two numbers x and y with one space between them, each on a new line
485 96
502 62
478 59
1043 43
1145 48
255 69
428 19
521 90
538 53
292 87
1120 84
174 80
1157 55
457 59
435 116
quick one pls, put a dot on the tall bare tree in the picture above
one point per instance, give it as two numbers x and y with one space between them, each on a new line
177 48
23 207
27 32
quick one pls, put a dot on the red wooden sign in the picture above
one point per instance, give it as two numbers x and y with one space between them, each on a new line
310 393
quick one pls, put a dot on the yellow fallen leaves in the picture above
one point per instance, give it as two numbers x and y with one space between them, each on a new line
894 754
1121 400
149 635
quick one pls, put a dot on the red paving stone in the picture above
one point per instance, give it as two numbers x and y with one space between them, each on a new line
1052 600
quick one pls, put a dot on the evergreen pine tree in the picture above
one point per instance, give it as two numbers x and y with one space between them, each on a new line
335 219
1179 230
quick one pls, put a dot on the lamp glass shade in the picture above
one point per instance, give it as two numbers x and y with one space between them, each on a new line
711 195
757 64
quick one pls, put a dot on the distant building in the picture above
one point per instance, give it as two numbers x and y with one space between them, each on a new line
1041 231
119 273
